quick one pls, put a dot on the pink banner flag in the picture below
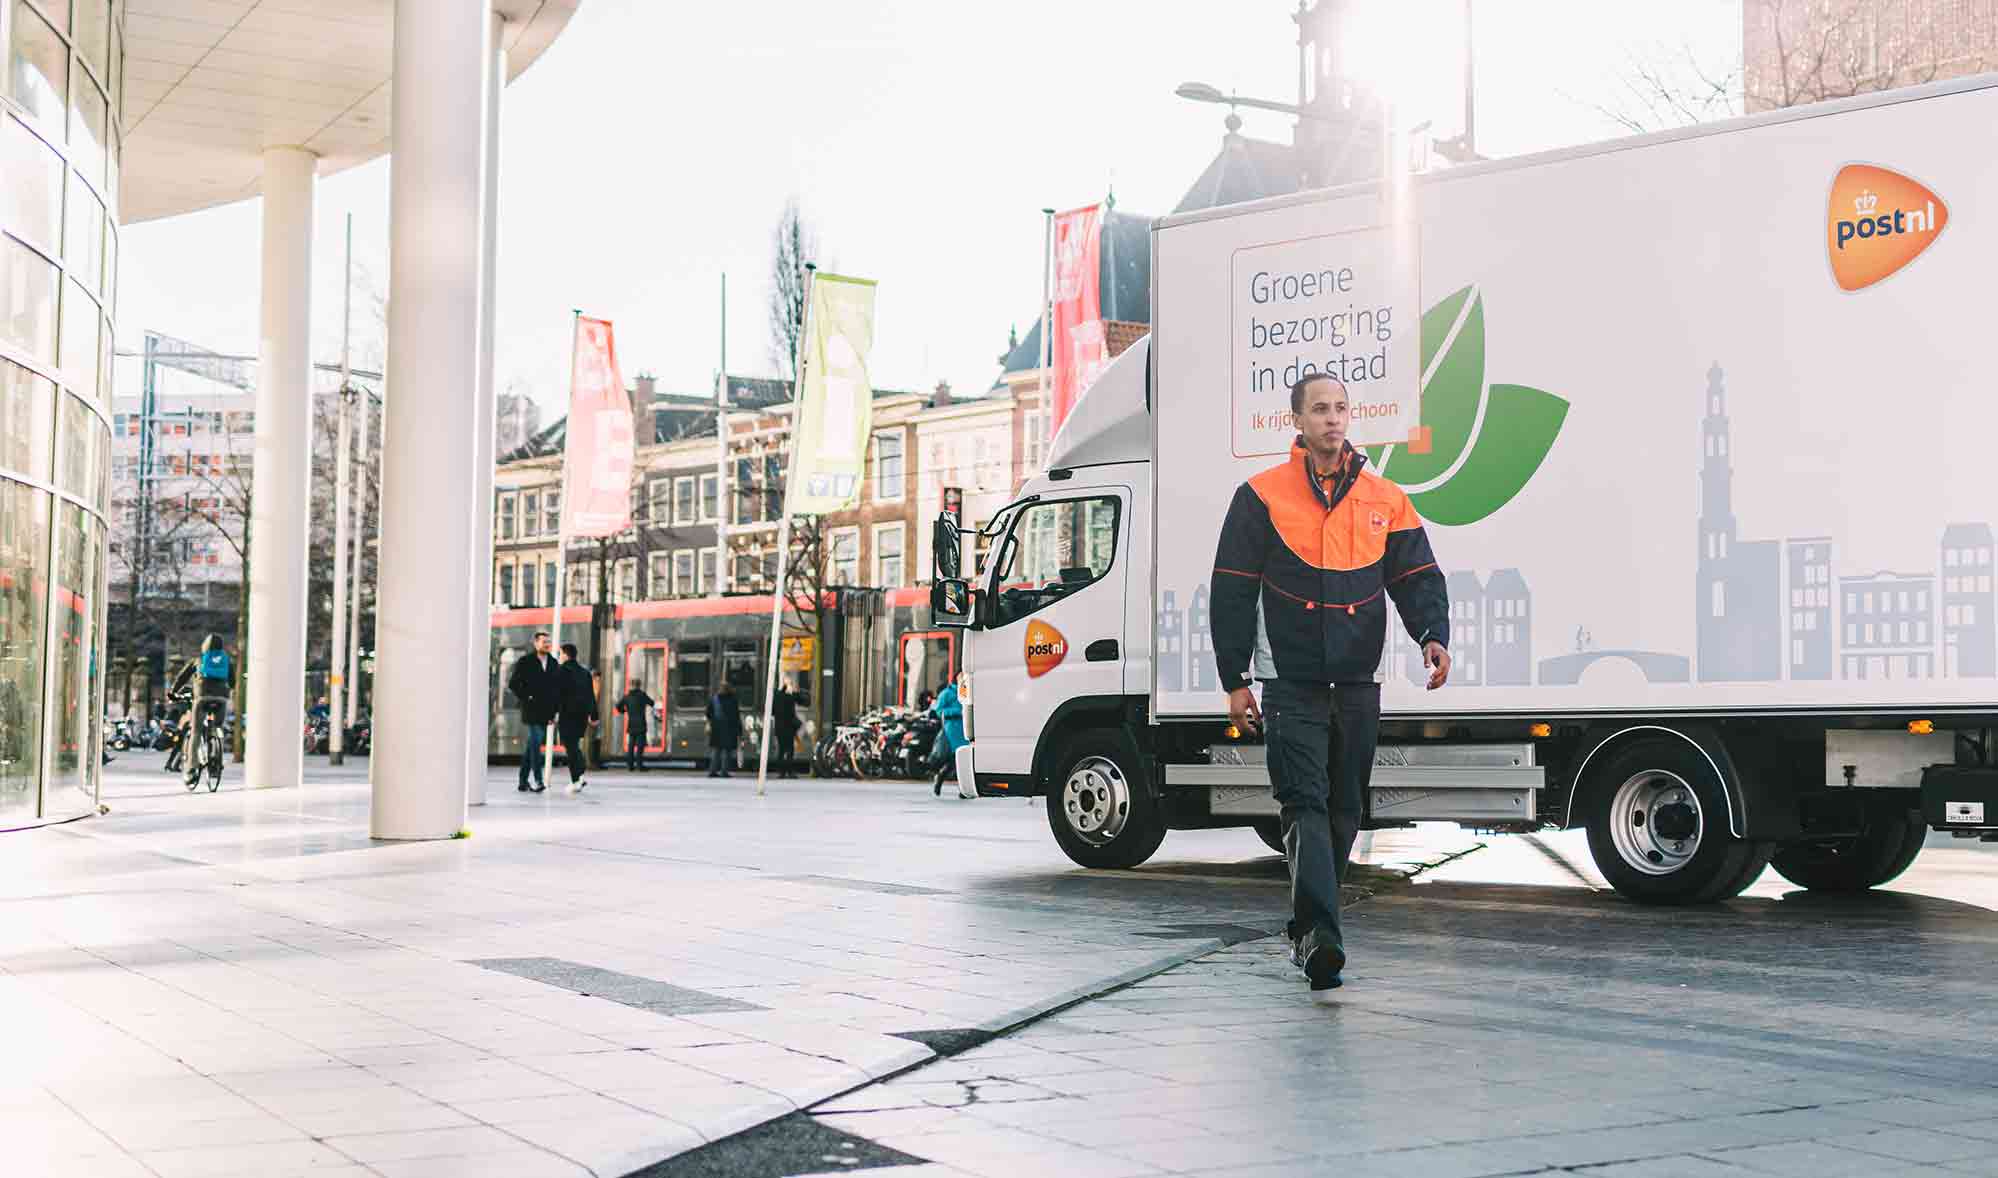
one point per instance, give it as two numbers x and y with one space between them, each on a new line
597 457
1080 347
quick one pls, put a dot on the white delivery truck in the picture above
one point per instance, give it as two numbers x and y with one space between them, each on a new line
1702 426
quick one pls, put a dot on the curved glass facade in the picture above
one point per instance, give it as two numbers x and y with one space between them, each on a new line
60 143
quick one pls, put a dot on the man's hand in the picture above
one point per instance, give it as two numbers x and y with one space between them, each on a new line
1243 710
1437 659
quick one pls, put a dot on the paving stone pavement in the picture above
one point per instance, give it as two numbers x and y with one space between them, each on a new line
245 983
1501 1031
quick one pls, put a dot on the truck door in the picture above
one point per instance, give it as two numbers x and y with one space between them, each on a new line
1054 626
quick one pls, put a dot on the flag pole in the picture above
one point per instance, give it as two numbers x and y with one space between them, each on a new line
724 502
1046 408
784 535
562 539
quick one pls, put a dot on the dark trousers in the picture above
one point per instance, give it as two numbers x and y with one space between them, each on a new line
634 749
572 745
1321 811
531 756
721 759
784 744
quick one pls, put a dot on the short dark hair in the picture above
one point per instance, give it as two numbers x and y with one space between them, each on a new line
1297 390
539 634
569 648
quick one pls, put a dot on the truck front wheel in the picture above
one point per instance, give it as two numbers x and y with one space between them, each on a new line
1892 839
1101 809
1657 820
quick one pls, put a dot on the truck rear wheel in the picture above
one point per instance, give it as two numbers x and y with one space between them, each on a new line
1892 839
1657 821
1101 809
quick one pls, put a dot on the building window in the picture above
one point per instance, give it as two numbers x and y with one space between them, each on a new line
527 583
710 498
506 517
843 557
660 509
548 582
745 571
657 582
888 470
683 501
707 572
506 584
888 556
530 514
551 506
683 573
1950 557
627 579
746 497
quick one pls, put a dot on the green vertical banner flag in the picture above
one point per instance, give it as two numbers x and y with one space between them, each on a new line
836 400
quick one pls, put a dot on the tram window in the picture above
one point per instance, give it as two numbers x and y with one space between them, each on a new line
691 674
739 658
508 656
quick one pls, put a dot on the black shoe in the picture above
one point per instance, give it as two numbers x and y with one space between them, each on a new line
522 787
540 788
1320 962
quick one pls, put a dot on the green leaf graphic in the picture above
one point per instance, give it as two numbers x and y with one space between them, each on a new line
1450 399
1519 428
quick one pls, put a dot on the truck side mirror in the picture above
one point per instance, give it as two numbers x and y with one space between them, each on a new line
949 556
950 604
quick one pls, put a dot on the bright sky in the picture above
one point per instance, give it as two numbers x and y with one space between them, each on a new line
646 153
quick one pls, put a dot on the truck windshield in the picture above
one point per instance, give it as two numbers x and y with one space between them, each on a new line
1054 549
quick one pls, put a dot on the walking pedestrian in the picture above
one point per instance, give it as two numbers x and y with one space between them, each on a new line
636 708
784 719
950 738
724 730
533 684
1306 553
576 712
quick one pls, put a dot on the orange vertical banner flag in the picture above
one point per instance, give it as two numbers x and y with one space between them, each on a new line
598 454
1080 346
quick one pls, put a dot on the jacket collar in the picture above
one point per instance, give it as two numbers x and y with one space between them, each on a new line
1342 479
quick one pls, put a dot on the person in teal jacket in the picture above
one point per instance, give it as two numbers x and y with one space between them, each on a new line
950 709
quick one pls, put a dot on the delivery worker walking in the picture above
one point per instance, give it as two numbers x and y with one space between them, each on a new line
1309 555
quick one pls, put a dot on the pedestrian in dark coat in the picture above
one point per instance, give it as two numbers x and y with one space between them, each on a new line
578 712
533 684
636 707
724 730
784 718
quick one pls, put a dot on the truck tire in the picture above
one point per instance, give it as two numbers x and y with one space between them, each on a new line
1892 840
1102 810
1656 813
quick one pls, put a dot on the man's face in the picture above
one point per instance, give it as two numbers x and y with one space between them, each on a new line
1325 417
541 644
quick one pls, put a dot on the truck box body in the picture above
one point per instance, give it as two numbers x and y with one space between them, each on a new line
1668 460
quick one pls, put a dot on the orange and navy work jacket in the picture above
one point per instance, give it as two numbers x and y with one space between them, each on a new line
1305 569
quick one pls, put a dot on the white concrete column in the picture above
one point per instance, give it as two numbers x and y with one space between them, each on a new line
280 501
479 718
429 455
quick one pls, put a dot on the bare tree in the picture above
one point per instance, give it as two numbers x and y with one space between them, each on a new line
793 243
1803 51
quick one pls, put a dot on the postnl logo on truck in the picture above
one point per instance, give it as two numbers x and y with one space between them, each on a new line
1878 222
1046 648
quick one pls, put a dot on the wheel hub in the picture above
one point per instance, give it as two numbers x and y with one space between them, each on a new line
1656 822
1096 800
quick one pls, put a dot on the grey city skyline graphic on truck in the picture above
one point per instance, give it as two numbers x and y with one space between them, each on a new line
1766 610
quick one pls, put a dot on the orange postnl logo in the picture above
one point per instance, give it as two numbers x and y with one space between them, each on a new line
1045 649
1878 221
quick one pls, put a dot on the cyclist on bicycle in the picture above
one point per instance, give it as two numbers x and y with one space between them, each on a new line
206 678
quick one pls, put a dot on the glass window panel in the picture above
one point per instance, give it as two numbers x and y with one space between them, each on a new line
111 172
80 350
86 129
102 464
57 12
80 438
37 67
27 299
27 421
83 241
30 186
24 551
92 37
117 76
72 767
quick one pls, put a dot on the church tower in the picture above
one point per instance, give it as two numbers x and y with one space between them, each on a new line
1338 140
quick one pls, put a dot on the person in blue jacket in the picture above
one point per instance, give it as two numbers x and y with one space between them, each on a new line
950 709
